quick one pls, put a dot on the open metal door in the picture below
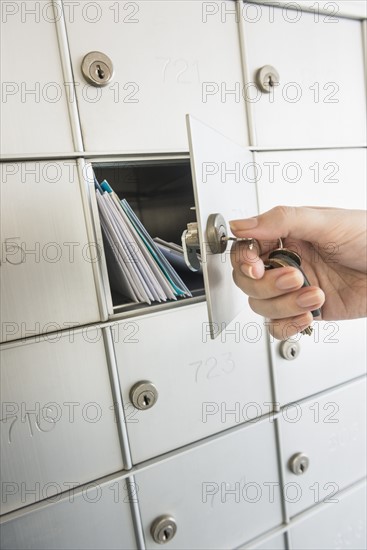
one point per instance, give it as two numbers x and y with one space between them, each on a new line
223 176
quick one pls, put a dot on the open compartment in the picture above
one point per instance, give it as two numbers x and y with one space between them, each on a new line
160 192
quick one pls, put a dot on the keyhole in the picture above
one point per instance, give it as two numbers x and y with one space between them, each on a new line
293 352
166 534
302 467
100 72
270 82
146 401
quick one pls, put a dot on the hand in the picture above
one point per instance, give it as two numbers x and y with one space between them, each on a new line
332 245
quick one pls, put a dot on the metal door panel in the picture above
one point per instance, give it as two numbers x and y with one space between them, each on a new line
223 180
323 177
34 107
341 524
203 386
169 60
333 354
330 430
47 260
96 517
58 424
208 490
320 99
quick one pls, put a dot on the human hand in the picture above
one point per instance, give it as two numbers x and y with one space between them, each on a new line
332 245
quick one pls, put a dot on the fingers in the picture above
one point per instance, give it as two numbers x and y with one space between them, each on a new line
304 223
247 261
274 282
291 304
282 329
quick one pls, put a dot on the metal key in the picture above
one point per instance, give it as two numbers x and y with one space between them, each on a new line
251 242
283 257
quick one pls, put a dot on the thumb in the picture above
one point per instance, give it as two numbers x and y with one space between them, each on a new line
305 223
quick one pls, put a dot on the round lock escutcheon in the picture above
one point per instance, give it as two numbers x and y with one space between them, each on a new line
289 350
143 395
163 529
267 78
216 231
299 463
97 69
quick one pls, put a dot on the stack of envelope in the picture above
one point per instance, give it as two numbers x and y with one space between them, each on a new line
137 267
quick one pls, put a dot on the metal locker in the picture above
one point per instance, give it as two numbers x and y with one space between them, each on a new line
323 444
94 516
47 259
316 95
58 427
201 386
167 60
35 94
219 494
340 524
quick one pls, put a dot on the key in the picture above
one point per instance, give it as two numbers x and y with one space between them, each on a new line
250 241
282 257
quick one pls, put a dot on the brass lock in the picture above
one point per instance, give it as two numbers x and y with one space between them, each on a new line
163 529
97 69
143 395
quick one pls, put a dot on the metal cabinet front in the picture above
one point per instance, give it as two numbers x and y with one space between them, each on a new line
168 60
341 524
97 516
276 542
58 426
323 445
34 106
334 353
314 89
46 257
312 177
203 386
220 494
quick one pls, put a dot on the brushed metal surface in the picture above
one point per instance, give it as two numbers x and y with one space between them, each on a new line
218 492
331 430
224 182
95 517
57 421
163 77
335 525
320 100
205 386
34 107
46 264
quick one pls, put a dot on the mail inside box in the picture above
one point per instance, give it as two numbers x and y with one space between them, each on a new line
160 196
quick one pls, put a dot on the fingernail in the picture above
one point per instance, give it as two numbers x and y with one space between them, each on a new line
309 298
248 270
289 280
243 225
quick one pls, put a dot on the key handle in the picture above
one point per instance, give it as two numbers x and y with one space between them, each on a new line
283 257
279 253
